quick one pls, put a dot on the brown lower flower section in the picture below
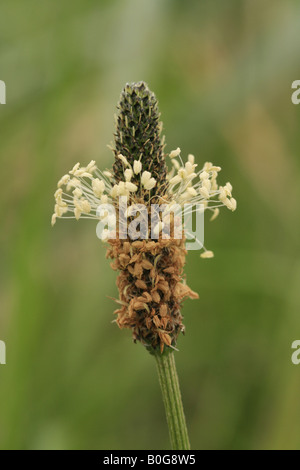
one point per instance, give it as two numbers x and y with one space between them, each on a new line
151 289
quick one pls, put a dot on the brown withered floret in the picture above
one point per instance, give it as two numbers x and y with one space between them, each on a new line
151 289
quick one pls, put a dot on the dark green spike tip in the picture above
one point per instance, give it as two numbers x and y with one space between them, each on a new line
137 135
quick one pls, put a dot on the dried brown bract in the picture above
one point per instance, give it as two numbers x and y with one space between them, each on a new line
151 288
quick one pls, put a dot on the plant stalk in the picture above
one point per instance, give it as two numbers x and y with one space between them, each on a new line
169 384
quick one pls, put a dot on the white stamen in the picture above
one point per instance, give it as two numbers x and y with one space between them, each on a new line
137 167
175 153
207 254
128 174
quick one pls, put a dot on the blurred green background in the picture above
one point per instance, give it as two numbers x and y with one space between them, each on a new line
222 72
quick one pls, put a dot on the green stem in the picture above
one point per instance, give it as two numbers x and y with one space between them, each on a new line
169 384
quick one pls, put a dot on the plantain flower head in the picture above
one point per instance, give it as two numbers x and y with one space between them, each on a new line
151 283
